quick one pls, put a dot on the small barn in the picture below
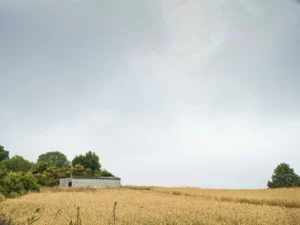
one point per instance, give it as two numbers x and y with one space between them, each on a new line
94 182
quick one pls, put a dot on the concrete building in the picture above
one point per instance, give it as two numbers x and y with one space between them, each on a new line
95 182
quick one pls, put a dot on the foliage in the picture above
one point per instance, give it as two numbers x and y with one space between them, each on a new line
30 182
41 179
49 175
105 173
17 163
2 198
89 160
18 176
55 158
52 175
89 172
78 170
64 173
18 183
284 176
11 183
3 171
40 167
3 153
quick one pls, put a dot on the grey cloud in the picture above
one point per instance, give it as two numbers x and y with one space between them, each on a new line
157 89
257 61
64 53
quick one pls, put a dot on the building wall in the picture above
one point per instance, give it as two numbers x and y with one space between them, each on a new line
96 183
64 182
104 183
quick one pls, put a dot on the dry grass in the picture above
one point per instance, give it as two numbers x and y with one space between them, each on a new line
285 197
139 188
154 205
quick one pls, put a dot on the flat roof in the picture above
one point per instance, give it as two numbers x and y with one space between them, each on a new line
93 178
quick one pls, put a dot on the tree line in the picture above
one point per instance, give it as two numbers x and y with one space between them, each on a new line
18 176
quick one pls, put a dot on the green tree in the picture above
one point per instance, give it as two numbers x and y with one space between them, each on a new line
3 153
17 163
89 160
11 185
55 158
18 183
41 179
48 175
30 182
283 176
52 175
40 167
78 170
3 171
105 173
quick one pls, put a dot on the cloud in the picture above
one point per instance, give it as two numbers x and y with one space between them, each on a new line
195 93
65 52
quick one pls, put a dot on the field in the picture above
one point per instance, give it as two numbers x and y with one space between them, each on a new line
155 205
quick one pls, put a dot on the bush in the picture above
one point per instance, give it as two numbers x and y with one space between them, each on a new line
13 195
2 197
52 175
15 184
41 179
47 175
105 173
3 172
78 170
30 182
11 183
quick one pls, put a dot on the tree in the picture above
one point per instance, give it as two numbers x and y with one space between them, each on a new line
3 153
78 170
55 158
283 176
17 163
89 160
105 173
48 175
40 167
52 176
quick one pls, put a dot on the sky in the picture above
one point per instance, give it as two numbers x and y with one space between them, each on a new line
201 93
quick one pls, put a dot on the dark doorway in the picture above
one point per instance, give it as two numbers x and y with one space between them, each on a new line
70 184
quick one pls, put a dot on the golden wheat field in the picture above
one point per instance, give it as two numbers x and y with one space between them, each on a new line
155 205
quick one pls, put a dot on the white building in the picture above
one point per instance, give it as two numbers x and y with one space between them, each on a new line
95 182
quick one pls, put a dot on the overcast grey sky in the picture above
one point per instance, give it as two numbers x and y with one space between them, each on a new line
173 93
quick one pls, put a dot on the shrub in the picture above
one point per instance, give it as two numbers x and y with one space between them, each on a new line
41 179
15 184
2 197
13 195
30 182
11 183
52 175
78 170
105 173
49 175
